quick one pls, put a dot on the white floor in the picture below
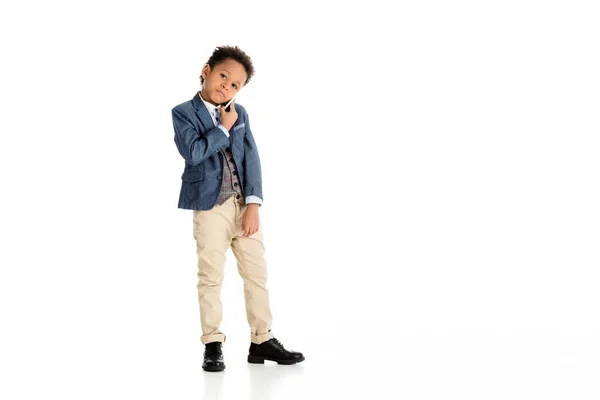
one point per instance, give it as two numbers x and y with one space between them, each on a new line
395 362
459 365
462 365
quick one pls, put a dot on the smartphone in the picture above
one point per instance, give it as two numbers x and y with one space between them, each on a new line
226 106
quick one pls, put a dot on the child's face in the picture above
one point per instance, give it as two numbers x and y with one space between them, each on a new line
224 81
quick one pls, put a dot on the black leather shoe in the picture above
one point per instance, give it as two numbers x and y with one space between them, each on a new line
273 350
213 357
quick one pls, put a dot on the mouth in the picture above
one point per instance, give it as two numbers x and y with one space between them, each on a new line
221 93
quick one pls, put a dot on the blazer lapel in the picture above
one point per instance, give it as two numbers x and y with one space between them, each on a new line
202 113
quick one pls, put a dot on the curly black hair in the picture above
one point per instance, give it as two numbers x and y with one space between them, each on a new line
223 53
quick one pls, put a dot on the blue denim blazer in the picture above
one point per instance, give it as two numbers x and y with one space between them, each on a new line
199 142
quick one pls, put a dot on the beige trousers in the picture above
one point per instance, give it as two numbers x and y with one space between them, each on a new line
215 230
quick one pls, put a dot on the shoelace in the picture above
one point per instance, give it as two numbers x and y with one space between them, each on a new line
279 344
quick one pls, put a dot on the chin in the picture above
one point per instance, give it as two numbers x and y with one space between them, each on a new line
219 99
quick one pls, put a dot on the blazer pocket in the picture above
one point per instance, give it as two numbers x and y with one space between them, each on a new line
240 126
192 176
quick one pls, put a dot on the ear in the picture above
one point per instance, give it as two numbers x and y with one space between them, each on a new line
205 71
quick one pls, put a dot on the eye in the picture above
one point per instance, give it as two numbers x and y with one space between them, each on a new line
223 75
235 86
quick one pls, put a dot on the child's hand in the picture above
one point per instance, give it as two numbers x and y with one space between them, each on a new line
250 220
229 118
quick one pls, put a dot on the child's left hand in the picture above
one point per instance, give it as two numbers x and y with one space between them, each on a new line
250 220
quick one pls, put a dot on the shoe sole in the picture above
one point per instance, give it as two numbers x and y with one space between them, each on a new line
261 360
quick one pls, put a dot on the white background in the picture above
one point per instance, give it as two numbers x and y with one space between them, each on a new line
431 187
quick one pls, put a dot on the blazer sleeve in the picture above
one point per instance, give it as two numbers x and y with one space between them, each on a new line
192 146
252 169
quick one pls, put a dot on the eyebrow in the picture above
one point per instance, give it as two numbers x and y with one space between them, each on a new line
238 82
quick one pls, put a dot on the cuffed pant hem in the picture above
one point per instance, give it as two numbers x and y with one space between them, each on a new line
258 339
219 337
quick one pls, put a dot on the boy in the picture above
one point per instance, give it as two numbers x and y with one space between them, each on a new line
222 183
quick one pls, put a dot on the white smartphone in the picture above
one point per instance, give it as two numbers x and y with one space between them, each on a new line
226 106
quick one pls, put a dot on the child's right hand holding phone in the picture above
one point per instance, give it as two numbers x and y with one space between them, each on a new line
228 114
